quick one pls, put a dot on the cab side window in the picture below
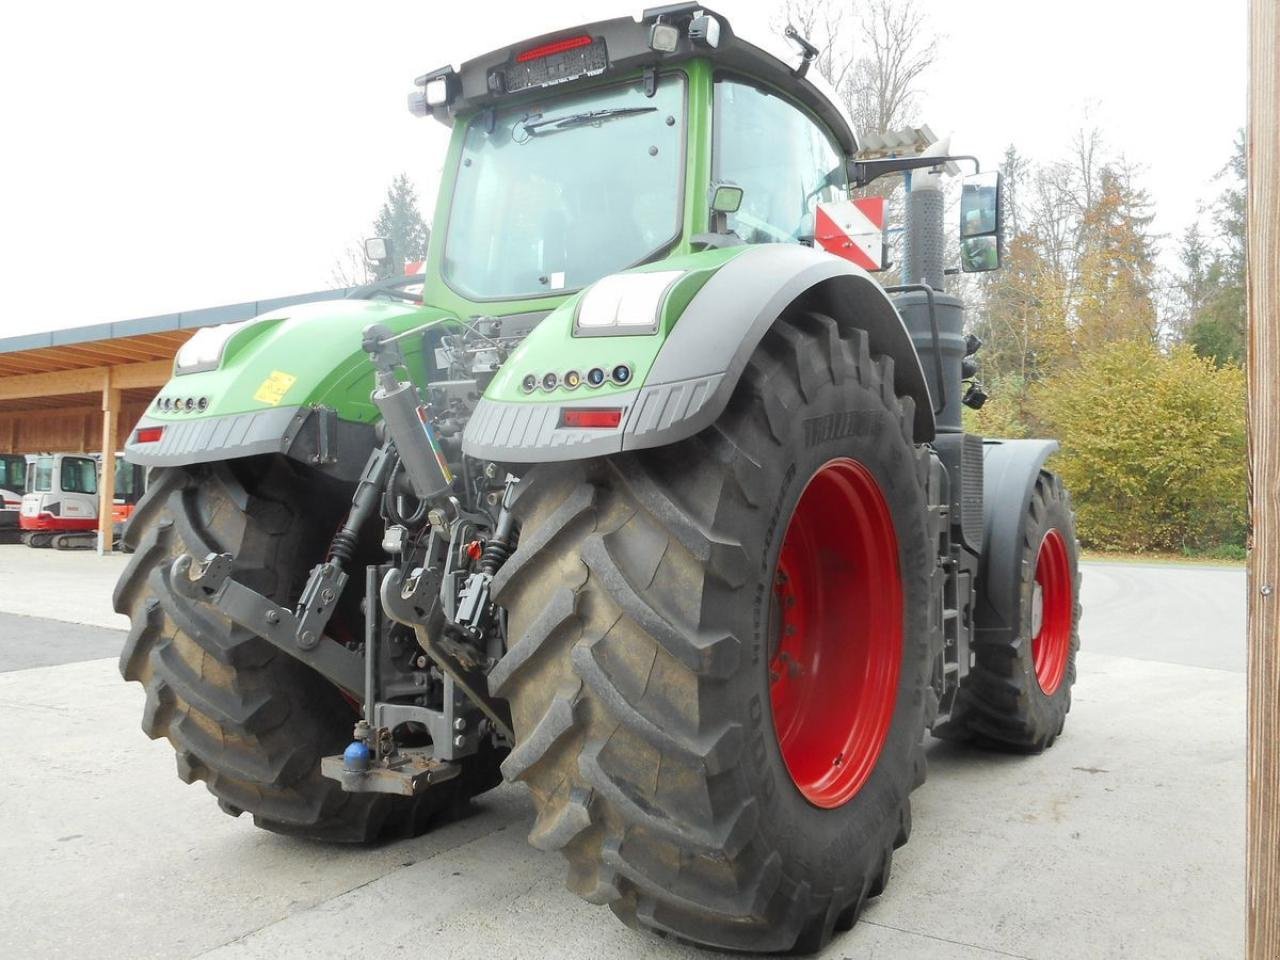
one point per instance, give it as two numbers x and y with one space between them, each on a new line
784 161
79 475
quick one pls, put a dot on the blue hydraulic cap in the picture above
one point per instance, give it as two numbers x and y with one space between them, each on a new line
356 757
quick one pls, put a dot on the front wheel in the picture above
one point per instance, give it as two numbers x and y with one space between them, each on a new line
719 654
1018 693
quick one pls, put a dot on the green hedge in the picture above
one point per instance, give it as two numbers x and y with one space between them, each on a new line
1153 447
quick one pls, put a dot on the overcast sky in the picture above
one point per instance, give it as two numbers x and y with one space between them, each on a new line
168 156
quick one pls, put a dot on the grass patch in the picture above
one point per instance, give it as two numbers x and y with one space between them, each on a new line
1227 556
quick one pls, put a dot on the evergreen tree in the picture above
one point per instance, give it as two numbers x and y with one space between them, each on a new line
400 221
1115 291
1213 279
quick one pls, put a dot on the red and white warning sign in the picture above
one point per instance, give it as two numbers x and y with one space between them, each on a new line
853 230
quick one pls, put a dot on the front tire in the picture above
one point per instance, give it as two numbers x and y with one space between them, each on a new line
644 623
244 717
1018 693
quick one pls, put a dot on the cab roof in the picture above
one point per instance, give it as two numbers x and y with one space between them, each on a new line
616 47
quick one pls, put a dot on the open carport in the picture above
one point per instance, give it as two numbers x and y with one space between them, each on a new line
80 390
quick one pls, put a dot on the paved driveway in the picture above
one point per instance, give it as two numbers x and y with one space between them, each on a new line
1124 840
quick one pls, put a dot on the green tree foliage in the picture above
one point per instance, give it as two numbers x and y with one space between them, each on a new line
1022 321
1153 446
400 221
1116 267
1005 413
1144 392
1212 283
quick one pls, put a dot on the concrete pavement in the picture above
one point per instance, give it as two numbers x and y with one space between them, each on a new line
1124 840
27 642
70 585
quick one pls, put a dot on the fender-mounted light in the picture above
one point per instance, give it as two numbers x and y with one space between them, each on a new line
624 304
148 434
204 350
606 418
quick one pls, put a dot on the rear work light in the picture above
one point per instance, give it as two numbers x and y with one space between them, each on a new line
599 417
148 434
552 48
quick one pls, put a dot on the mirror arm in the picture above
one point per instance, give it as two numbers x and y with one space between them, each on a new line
863 172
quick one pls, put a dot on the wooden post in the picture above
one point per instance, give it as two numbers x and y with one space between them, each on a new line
107 483
1263 857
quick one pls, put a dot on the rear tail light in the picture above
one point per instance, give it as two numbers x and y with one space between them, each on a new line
554 47
148 434
602 417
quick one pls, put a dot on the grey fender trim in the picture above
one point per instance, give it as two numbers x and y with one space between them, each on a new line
724 323
531 432
311 435
1010 468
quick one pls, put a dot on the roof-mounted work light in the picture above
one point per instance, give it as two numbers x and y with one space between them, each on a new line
664 37
704 30
436 90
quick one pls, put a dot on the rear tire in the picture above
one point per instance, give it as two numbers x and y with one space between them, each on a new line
244 717
640 606
1018 693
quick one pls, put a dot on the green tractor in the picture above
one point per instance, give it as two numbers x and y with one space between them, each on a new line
653 500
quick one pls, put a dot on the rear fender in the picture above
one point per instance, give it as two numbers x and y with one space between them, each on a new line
1010 469
725 322
293 381
687 385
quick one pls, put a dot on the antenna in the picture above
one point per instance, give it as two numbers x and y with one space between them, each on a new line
808 52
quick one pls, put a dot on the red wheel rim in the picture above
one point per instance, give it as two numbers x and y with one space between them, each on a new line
1051 643
837 633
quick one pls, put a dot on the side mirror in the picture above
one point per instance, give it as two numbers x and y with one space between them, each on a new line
727 198
981 229
380 252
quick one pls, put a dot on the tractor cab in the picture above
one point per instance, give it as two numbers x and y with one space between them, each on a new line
584 153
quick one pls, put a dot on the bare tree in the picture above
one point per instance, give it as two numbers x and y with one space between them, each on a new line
898 48
350 268
874 61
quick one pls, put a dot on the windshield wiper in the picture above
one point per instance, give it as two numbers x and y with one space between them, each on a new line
531 125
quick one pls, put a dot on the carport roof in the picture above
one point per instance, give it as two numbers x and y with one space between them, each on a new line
139 340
